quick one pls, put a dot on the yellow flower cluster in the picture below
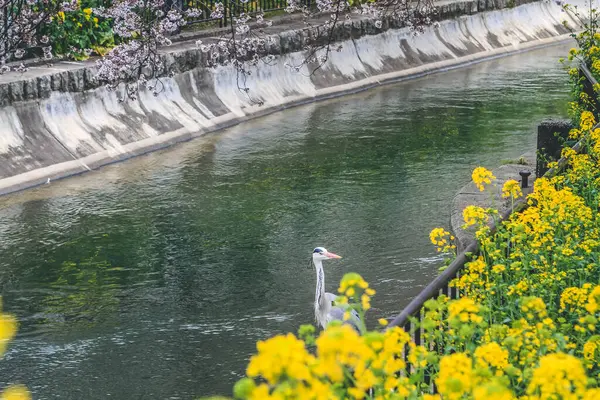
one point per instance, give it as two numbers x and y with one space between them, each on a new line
16 392
456 376
533 307
474 215
354 286
492 355
346 365
587 121
8 330
559 376
443 240
573 299
523 360
482 177
465 310
594 300
511 189
596 66
278 357
530 275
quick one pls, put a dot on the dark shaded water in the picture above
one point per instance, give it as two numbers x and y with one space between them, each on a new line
154 278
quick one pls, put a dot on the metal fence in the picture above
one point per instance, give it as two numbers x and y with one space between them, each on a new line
412 316
441 284
234 8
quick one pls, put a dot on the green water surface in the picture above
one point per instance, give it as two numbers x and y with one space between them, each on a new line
154 278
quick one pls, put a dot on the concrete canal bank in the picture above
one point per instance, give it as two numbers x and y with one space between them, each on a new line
55 122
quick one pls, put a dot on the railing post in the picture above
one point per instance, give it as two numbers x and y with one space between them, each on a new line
524 178
551 134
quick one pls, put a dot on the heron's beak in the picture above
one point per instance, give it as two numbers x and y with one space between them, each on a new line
332 255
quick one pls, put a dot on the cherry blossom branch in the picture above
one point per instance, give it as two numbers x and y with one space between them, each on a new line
145 26
19 23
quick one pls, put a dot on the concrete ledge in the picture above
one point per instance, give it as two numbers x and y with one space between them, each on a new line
72 132
490 197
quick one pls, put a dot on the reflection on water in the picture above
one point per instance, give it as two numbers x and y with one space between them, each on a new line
155 277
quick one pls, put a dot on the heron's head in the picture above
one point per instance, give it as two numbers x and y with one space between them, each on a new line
321 253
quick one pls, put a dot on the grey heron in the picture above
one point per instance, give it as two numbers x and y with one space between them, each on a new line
325 308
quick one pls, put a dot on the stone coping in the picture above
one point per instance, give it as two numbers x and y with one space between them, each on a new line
491 197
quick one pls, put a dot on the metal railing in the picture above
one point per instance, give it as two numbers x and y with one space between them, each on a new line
441 284
234 8
412 316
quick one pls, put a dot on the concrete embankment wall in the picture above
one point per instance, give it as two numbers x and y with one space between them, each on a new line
59 124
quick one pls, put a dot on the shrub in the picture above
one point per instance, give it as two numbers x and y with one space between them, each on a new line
78 33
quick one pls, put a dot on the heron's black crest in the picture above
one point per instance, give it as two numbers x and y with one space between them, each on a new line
318 250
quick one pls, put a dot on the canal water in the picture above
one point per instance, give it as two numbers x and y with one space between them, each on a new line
154 278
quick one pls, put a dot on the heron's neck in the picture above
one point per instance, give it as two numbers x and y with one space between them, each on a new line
321 304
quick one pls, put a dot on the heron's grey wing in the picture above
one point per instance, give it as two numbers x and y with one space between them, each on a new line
337 313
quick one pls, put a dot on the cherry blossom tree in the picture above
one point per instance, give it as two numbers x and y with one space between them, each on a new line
19 23
143 29
146 26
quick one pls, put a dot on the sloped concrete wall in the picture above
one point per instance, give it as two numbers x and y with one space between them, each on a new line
56 125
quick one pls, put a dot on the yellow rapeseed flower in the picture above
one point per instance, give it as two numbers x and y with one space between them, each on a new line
590 350
586 121
512 189
280 356
481 177
442 240
494 390
339 347
591 394
464 310
8 330
573 299
352 280
492 355
456 376
596 66
474 215
16 392
498 268
559 376
365 302
575 133
593 301
533 307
